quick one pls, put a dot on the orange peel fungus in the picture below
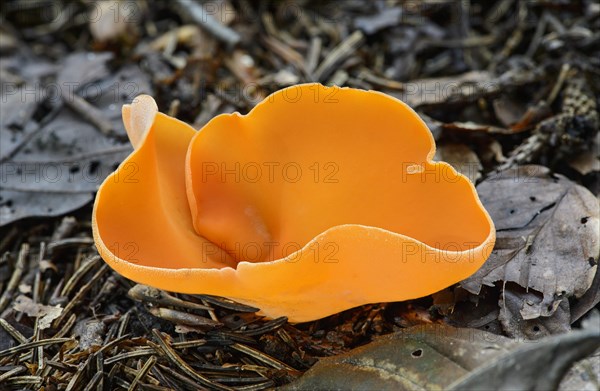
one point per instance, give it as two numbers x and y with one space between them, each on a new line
318 200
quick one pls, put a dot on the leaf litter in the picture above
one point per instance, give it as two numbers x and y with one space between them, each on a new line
67 155
547 240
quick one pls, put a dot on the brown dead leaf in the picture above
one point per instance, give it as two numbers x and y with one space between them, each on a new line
547 237
491 152
588 161
507 110
462 158
46 313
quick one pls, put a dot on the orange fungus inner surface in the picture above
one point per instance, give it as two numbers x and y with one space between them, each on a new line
263 188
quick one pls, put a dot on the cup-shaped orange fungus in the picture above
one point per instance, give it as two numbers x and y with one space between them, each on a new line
318 200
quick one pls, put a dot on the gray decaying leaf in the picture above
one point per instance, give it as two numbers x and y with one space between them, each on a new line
416 358
81 68
547 237
511 304
90 331
584 375
587 301
533 366
56 166
439 357
15 111
470 311
20 99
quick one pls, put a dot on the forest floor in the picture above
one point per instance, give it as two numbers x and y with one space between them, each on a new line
508 88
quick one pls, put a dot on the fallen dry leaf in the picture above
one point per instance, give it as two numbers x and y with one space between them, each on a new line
508 110
538 366
511 303
439 357
45 313
584 375
491 152
588 161
90 331
417 358
81 68
462 158
55 166
547 237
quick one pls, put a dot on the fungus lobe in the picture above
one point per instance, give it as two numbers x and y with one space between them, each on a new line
318 200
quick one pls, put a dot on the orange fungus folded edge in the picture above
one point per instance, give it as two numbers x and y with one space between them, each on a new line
319 200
